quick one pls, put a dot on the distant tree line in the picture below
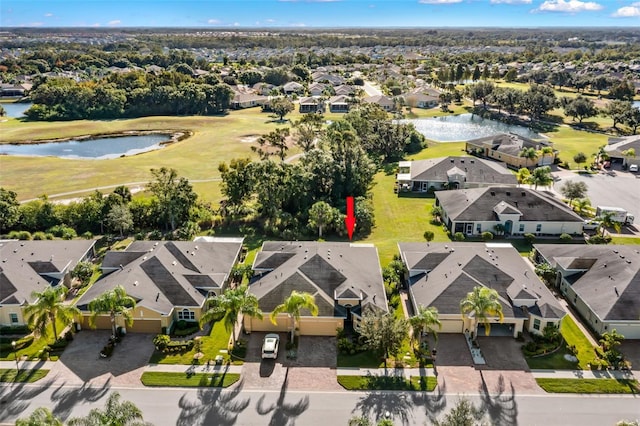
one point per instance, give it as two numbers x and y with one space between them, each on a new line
133 94
172 210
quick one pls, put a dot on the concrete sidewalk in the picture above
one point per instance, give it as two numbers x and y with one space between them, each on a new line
391 372
184 368
584 374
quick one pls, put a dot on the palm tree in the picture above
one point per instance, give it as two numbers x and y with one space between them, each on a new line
293 305
114 413
541 176
231 304
425 320
582 204
606 221
40 417
49 308
529 154
481 304
113 302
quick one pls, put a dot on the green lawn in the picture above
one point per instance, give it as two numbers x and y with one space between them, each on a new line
387 383
184 380
625 240
574 336
31 351
555 361
25 376
210 346
589 386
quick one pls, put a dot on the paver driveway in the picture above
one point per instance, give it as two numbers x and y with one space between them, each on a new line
81 363
313 369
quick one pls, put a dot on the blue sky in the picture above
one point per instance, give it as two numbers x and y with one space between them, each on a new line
319 13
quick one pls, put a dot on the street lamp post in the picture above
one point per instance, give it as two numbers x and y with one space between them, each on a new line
15 354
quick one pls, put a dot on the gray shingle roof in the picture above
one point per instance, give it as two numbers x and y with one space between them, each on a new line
480 204
476 170
326 270
28 266
467 265
164 274
509 143
610 283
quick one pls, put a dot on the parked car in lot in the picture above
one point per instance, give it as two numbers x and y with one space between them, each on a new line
270 346
633 168
590 225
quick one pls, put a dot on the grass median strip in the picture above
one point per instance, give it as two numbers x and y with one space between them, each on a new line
388 383
189 380
626 386
25 376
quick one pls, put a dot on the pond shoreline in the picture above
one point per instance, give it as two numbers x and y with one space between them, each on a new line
172 135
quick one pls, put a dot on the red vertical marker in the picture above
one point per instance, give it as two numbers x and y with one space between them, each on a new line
350 220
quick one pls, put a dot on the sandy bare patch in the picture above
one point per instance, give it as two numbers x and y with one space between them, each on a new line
249 138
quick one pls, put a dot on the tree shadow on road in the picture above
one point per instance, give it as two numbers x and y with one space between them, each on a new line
213 407
283 413
66 398
434 403
16 398
501 407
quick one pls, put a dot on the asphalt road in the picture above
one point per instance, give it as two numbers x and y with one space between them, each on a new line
613 189
187 407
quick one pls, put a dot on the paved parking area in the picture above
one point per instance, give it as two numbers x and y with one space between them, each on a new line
81 363
502 353
616 188
631 350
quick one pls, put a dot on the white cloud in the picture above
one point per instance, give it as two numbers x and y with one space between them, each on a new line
97 24
48 15
632 11
269 21
213 21
236 24
114 22
511 1
569 6
35 24
439 1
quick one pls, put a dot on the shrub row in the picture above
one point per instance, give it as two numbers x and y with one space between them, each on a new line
15 329
20 344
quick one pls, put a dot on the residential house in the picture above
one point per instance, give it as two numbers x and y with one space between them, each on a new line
619 150
345 90
345 279
442 274
517 211
248 100
452 173
385 102
311 104
32 266
339 103
601 282
292 87
263 88
420 100
15 90
323 77
317 89
170 280
506 147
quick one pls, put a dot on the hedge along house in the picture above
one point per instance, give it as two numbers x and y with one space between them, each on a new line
517 211
170 281
452 173
32 266
602 282
441 275
345 279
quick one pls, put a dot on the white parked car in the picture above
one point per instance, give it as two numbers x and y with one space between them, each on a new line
633 168
270 346
590 225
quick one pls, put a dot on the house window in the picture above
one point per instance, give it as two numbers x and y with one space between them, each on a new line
539 227
13 318
186 315
536 324
478 228
522 227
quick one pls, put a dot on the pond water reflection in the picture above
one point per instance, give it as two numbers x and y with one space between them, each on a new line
94 148
464 127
